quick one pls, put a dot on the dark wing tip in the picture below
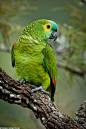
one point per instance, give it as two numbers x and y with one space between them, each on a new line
13 65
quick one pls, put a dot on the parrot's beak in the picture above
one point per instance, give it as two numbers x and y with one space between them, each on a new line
54 35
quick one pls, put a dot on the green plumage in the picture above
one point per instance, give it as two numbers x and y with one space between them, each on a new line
34 58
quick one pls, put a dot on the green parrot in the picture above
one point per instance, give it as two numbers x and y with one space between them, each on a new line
34 58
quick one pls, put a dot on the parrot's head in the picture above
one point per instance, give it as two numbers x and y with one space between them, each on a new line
43 30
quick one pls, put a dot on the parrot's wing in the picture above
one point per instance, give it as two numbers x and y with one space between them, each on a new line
50 65
13 55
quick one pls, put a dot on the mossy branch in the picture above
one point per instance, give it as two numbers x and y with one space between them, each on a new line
40 104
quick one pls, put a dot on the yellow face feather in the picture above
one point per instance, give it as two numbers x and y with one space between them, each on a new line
47 27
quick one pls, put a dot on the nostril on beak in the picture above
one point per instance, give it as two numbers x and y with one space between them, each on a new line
55 30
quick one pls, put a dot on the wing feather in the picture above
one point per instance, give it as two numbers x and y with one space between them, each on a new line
49 61
13 55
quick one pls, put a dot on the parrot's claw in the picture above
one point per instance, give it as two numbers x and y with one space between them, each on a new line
33 86
22 81
39 88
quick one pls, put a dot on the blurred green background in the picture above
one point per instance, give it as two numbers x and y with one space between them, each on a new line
70 49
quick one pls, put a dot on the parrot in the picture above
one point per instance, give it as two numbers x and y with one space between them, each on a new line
34 58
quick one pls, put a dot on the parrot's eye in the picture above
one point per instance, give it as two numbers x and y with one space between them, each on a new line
48 27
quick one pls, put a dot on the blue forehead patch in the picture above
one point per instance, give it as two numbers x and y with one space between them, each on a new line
54 25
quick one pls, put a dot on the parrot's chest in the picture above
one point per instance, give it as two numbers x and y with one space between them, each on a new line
31 68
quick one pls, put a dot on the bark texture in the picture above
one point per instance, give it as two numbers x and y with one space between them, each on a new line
40 104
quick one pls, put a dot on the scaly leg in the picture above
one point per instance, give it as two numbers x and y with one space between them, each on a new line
39 88
22 81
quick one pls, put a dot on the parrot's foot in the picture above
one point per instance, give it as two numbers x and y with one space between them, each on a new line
22 81
39 88
33 86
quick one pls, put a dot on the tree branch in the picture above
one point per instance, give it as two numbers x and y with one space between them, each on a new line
75 72
40 104
5 50
79 73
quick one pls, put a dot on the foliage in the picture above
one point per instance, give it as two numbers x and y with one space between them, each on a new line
11 10
73 47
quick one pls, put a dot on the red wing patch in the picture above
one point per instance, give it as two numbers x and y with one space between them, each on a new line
54 81
15 43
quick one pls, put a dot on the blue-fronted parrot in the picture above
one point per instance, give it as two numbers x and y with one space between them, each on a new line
34 58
